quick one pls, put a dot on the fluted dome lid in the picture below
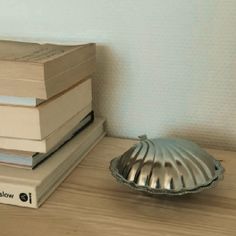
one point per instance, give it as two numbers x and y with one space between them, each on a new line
166 166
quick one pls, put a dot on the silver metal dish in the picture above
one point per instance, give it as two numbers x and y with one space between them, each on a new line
167 166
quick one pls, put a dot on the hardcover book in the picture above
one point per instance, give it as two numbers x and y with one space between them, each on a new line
30 188
43 70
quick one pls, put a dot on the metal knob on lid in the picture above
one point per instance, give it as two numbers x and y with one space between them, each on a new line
167 166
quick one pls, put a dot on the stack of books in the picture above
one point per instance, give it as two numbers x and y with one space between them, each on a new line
47 123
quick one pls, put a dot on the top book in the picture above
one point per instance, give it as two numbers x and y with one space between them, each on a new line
43 70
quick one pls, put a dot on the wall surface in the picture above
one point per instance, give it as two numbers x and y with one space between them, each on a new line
165 67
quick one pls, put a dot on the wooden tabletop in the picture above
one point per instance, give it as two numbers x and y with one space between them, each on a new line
91 202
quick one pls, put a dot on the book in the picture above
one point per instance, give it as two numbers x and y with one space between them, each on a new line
43 70
30 188
44 145
30 160
38 122
20 101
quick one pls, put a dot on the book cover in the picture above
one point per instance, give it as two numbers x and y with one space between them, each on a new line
30 188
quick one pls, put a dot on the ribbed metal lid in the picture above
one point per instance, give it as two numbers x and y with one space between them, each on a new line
167 166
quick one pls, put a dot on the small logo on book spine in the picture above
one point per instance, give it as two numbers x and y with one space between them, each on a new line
6 195
24 197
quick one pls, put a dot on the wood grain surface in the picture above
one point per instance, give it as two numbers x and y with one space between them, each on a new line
91 202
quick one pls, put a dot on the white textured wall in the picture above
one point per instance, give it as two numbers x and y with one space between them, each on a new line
165 67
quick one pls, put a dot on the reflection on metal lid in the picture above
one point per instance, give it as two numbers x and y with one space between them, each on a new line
166 166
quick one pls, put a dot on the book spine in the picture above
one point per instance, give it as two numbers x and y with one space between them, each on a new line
18 195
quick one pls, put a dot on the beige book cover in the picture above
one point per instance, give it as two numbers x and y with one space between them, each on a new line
30 160
44 145
30 188
43 70
39 122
